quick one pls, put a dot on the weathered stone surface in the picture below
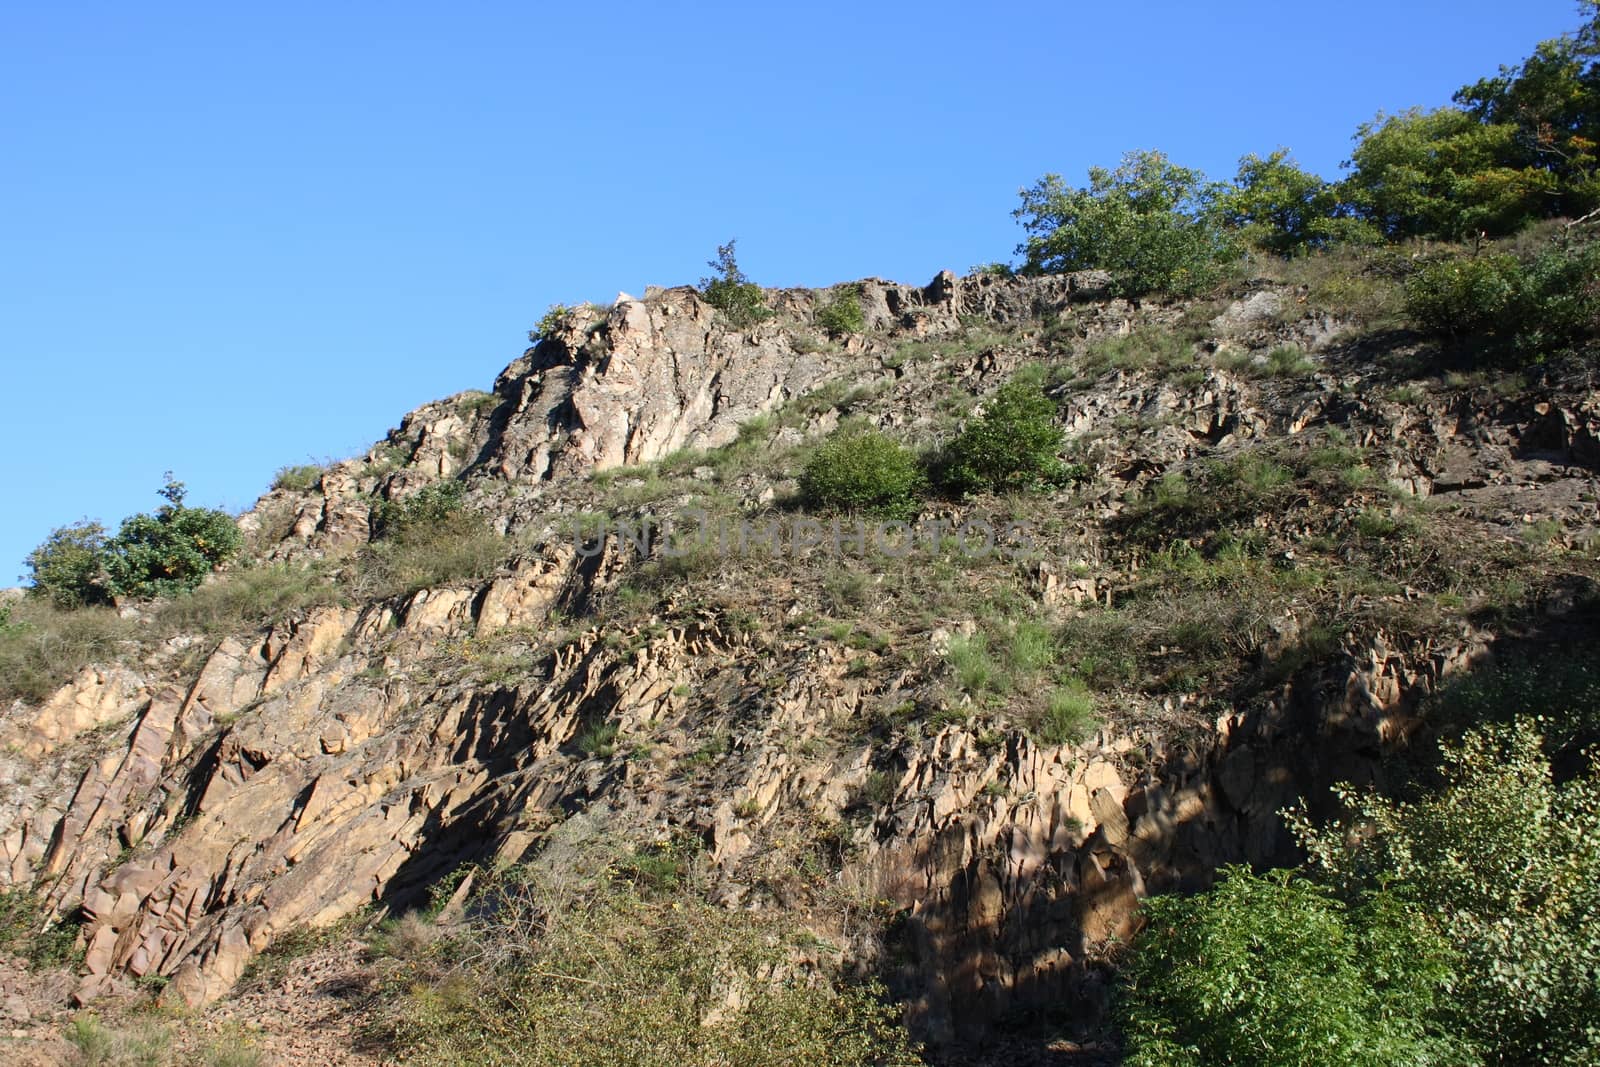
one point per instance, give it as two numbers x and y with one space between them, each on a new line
94 699
351 755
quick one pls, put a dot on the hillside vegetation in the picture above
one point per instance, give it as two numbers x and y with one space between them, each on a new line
1174 648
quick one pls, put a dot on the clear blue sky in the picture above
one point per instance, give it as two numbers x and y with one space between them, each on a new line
237 236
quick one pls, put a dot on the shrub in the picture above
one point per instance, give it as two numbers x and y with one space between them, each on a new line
1154 225
863 470
731 293
69 567
552 320
1507 307
1464 295
842 313
1507 864
429 506
172 550
1273 969
1014 445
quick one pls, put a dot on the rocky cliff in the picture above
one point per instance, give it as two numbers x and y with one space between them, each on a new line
799 715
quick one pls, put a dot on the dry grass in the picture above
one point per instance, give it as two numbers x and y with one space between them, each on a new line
247 599
42 646
458 547
602 952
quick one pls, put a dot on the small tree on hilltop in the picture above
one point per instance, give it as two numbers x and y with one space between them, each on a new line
171 551
1278 207
69 567
731 293
1154 225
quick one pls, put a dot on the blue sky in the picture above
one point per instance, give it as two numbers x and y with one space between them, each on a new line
237 237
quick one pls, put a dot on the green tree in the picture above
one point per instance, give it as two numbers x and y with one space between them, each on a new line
1278 207
1443 173
1015 444
1506 862
69 567
1154 225
1273 969
731 293
859 469
171 551
1551 102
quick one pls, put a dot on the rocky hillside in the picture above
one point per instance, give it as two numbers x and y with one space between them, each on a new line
960 770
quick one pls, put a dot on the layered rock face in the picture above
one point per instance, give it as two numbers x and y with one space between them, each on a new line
633 383
292 783
352 755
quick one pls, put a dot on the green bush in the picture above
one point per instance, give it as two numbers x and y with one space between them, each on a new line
69 567
842 313
1506 862
435 503
552 320
863 470
1464 295
157 555
1014 445
733 294
1274 970
170 551
1505 307
1154 225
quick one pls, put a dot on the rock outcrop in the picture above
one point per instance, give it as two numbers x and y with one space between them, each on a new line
349 756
